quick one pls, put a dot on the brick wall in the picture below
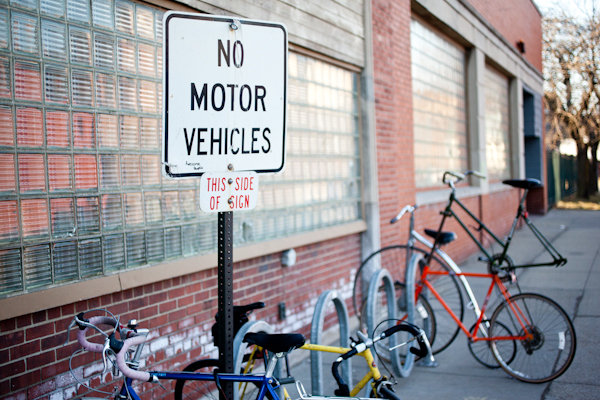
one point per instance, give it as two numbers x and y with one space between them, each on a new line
179 313
394 116
515 20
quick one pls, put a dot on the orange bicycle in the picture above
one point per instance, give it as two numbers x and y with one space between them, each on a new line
530 336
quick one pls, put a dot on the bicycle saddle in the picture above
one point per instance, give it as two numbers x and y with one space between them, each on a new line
277 343
444 237
523 183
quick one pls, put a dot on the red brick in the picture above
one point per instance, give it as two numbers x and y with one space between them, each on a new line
8 325
40 360
185 301
39 317
55 369
54 313
68 309
5 387
23 321
25 350
148 312
4 357
118 309
176 315
11 339
138 303
157 298
168 306
11 369
22 381
53 341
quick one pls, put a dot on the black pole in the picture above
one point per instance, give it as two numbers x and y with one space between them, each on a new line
225 293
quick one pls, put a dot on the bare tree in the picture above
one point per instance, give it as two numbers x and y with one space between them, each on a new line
571 58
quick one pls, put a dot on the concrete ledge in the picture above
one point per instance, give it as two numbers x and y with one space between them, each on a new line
58 296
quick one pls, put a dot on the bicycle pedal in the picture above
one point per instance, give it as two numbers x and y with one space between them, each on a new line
470 306
287 381
483 259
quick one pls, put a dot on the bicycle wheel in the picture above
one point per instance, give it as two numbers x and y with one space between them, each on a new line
448 288
481 349
382 258
386 392
393 258
551 350
186 389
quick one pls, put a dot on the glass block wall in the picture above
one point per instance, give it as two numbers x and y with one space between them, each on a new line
81 194
497 127
439 106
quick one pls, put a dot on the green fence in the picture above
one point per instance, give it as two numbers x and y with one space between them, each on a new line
562 176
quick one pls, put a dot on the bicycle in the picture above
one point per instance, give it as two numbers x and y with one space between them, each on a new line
395 259
527 331
251 359
208 383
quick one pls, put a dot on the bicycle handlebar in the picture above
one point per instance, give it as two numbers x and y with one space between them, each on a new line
418 333
460 176
407 208
118 347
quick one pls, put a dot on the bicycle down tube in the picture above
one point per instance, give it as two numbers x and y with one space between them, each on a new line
495 282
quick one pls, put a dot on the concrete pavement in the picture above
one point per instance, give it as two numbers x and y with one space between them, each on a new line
576 287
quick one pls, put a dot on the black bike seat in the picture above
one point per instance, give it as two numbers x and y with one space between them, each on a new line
276 343
444 237
523 183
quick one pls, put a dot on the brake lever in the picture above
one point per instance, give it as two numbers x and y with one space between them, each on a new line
105 349
71 325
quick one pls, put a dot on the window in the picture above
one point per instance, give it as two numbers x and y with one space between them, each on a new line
439 106
497 125
81 193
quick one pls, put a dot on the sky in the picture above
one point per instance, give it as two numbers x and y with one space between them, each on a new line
575 7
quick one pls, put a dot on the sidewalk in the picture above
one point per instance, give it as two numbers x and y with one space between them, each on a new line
576 287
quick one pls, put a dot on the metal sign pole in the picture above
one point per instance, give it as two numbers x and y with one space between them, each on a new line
225 298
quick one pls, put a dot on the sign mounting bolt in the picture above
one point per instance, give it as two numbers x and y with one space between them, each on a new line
230 181
230 167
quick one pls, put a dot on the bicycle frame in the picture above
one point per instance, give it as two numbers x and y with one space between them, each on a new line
558 260
496 281
263 380
373 372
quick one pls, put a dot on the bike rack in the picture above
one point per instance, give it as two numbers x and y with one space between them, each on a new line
383 276
316 333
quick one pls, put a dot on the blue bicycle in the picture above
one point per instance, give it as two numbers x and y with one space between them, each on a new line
208 381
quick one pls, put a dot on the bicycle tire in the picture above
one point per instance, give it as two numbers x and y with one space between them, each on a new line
481 350
186 389
553 346
387 392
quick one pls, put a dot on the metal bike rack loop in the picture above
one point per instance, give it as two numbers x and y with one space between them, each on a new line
316 334
384 277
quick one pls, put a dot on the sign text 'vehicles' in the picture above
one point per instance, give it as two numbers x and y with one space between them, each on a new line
217 97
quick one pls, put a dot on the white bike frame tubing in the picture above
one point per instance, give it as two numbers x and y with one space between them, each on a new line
454 268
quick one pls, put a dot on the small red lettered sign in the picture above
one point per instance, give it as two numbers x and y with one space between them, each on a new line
228 191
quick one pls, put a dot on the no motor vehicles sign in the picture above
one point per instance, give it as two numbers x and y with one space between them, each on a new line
225 84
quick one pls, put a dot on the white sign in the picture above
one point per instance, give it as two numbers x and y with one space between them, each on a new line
224 91
228 191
